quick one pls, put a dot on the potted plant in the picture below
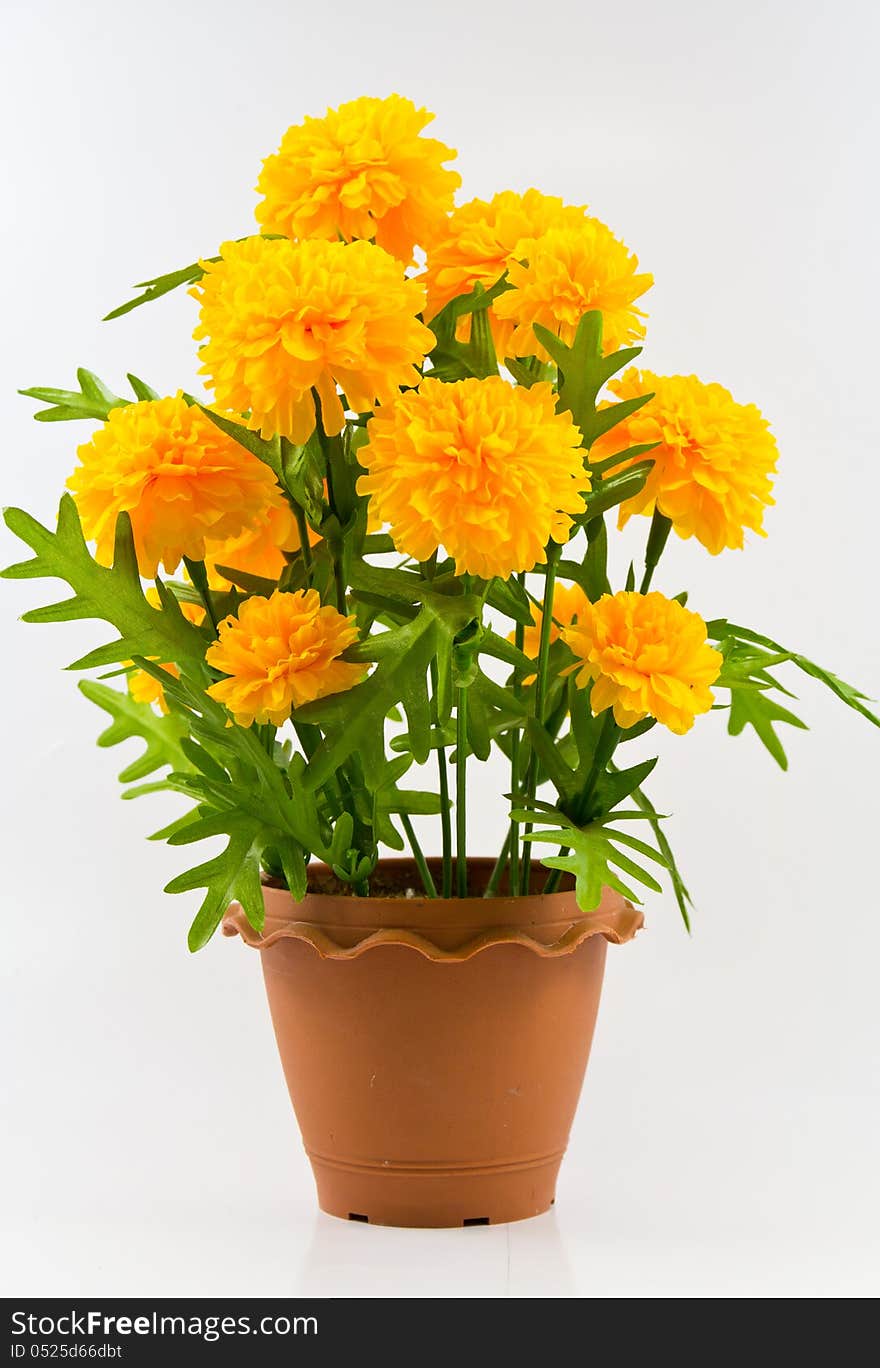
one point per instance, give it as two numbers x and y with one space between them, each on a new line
377 548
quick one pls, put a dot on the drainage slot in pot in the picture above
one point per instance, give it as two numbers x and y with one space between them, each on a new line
476 1220
356 1216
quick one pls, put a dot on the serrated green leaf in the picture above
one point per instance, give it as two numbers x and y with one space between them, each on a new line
583 371
754 708
679 888
615 490
720 630
593 857
92 400
158 286
163 736
612 787
112 594
141 389
225 878
354 721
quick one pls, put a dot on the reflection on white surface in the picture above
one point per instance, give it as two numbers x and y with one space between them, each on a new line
346 1259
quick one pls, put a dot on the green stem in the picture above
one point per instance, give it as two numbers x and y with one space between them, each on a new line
418 855
199 576
445 810
513 833
497 870
657 539
334 543
554 551
461 879
555 878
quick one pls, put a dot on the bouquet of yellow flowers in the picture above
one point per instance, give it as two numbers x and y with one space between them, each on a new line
380 540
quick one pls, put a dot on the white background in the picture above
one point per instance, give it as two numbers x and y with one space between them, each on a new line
726 1143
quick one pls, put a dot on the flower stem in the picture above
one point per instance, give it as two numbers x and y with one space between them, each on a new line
331 451
657 539
418 855
445 810
513 833
461 879
554 551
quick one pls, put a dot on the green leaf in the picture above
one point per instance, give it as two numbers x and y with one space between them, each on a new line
595 565
561 775
501 649
228 876
257 799
754 708
614 490
403 586
92 400
611 788
594 858
620 458
511 599
158 286
583 371
609 415
251 584
354 721
302 475
481 347
720 630
528 370
443 324
141 389
114 595
454 360
679 888
164 736
266 450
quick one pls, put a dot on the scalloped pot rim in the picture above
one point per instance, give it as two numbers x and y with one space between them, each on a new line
452 930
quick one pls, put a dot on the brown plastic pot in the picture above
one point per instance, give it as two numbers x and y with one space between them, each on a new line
434 1050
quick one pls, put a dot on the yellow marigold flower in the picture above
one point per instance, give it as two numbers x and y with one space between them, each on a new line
142 686
180 479
279 653
570 271
282 318
647 657
363 171
145 689
259 549
569 603
487 470
481 239
712 469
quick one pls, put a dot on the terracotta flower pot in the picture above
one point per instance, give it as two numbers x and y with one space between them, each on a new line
434 1049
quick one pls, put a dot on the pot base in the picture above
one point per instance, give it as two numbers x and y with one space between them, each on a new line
445 1197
